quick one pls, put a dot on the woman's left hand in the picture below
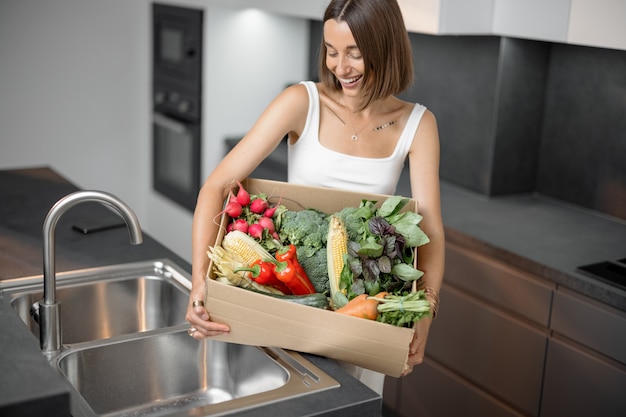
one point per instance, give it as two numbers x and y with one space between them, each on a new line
418 344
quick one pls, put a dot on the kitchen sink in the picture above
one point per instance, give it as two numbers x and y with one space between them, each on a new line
126 352
169 373
110 301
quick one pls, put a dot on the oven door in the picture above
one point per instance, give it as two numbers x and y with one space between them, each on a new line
176 159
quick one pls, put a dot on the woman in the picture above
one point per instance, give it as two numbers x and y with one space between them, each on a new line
347 131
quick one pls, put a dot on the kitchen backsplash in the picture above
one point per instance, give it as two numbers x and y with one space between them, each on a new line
521 116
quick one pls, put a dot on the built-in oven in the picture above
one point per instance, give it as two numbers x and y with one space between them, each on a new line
177 102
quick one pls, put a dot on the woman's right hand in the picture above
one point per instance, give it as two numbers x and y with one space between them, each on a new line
199 318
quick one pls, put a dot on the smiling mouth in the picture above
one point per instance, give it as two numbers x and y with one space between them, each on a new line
349 80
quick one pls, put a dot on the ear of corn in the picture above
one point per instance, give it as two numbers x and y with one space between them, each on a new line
337 249
245 246
225 263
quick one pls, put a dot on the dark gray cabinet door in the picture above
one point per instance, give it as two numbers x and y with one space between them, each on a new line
497 284
580 384
598 327
497 353
433 391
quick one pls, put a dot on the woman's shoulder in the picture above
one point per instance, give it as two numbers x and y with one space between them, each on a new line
292 97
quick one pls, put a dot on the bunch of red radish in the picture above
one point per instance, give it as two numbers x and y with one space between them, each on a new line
251 214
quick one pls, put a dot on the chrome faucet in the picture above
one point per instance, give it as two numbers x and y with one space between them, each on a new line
49 308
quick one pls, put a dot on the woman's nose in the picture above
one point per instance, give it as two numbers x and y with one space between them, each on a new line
343 65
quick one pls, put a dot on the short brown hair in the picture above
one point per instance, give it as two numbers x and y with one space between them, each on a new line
379 31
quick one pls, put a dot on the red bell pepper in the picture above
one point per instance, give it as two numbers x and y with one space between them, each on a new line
262 272
288 253
288 270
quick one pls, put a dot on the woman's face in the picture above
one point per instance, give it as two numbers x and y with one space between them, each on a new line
343 58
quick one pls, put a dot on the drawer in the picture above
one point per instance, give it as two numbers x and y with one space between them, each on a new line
502 355
499 284
578 384
433 391
596 326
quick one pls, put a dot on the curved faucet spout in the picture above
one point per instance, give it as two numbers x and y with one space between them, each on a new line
49 314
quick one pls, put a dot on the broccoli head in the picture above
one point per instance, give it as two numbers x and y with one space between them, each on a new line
314 263
355 220
307 227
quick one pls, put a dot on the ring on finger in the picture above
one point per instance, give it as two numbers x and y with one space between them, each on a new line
198 303
191 331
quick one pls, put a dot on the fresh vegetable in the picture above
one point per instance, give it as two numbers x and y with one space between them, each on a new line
256 230
403 310
355 219
337 250
253 214
224 265
258 205
312 300
288 253
232 208
315 266
245 246
262 272
383 256
241 225
307 227
243 196
267 223
287 272
363 306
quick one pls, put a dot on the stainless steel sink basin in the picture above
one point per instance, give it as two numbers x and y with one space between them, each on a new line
170 373
126 351
105 302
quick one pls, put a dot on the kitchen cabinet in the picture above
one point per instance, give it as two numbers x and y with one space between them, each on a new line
532 19
486 351
447 16
600 23
507 343
586 361
490 349
580 384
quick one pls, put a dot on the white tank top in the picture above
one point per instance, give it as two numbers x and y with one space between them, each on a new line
310 163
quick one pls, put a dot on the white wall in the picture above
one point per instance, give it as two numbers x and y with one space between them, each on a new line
75 93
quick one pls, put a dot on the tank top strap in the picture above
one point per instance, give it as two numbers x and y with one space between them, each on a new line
313 117
408 134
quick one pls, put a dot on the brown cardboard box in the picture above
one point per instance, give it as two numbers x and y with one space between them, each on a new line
256 319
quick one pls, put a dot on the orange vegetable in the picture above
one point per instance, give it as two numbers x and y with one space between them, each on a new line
362 306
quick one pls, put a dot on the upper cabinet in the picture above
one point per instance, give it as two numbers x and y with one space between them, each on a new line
600 23
532 19
440 17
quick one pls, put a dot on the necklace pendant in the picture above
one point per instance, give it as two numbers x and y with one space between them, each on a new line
354 137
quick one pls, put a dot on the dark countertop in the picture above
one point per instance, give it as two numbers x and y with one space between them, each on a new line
546 238
28 385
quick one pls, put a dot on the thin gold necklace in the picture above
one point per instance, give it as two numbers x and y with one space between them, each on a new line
355 135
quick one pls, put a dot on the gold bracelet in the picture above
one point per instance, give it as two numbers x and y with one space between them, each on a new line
432 296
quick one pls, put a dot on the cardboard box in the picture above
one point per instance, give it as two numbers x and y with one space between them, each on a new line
259 320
